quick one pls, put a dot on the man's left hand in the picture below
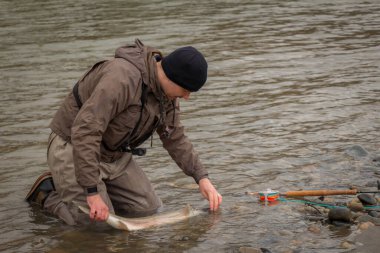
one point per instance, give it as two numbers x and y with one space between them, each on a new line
208 191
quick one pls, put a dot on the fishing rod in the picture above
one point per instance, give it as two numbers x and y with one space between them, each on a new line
322 192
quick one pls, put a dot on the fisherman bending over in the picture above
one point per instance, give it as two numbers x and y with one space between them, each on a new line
115 107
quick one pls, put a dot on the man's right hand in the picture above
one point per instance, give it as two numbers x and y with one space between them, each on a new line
98 209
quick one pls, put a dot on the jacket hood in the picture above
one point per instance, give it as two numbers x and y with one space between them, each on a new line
142 57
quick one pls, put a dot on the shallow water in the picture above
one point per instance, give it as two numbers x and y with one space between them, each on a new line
292 102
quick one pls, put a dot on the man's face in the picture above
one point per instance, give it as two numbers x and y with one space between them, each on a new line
171 89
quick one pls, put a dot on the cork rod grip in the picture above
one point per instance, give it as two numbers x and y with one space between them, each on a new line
320 193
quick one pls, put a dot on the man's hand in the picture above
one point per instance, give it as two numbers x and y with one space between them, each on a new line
98 209
210 193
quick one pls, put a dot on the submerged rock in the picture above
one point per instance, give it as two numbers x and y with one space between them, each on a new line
366 217
342 214
367 199
356 151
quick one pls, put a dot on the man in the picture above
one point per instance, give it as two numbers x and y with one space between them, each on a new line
115 107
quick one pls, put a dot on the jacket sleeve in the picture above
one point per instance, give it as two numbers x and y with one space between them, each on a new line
179 146
110 96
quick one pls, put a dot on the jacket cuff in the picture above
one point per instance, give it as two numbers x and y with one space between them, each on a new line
199 176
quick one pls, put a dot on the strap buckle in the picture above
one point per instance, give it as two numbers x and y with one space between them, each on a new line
134 151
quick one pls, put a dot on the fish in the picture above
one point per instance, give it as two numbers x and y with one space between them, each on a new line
134 224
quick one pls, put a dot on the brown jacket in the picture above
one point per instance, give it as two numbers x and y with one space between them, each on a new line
111 94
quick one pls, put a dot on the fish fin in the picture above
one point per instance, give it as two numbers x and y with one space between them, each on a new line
84 209
117 222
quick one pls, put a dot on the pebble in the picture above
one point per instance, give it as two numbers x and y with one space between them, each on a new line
340 214
365 225
355 200
285 233
296 242
355 206
367 199
314 229
346 245
325 210
356 215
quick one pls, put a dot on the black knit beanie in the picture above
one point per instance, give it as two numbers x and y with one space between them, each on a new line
186 67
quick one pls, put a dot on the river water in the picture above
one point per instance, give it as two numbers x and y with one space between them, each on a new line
292 102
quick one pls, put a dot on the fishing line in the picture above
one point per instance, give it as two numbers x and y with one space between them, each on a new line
330 206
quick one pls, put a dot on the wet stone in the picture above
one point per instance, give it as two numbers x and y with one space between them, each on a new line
341 214
365 225
374 214
355 206
355 215
325 211
367 199
346 245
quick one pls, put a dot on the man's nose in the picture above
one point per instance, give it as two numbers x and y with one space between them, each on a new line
186 96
